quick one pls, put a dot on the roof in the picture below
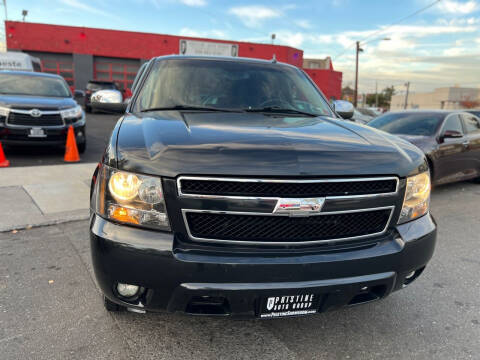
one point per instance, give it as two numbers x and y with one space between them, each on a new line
419 111
30 73
224 58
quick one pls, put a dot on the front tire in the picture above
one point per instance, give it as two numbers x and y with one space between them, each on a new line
82 147
111 306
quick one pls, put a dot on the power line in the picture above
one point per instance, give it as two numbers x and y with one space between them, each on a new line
388 27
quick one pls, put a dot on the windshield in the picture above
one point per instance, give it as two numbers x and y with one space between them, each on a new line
12 84
100 86
424 124
229 85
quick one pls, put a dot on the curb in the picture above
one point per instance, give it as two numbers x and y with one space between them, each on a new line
47 220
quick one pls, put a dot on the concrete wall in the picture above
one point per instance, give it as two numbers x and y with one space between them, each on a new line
83 67
449 98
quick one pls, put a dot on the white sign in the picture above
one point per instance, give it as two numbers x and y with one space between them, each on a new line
207 48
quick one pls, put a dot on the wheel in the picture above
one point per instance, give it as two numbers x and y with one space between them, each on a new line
82 147
88 108
111 306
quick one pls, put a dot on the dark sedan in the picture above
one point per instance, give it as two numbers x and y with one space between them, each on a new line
37 109
450 139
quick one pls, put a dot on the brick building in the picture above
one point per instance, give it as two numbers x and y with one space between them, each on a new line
80 54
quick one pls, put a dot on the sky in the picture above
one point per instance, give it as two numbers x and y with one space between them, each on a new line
438 47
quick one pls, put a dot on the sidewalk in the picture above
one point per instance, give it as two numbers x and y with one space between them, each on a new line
44 195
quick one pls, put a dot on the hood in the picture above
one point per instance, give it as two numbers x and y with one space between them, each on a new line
251 144
36 102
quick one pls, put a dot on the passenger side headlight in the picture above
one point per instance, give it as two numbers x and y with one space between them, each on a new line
131 198
4 111
75 112
417 197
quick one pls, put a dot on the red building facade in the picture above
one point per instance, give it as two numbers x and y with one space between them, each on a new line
80 54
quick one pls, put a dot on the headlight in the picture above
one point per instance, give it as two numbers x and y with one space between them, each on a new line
130 198
75 112
4 111
417 197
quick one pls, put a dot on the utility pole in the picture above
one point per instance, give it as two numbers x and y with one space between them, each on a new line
355 95
406 94
5 7
376 93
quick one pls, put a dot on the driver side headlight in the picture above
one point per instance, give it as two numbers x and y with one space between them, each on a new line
130 198
417 197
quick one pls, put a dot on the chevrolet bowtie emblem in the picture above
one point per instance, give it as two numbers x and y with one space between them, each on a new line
299 206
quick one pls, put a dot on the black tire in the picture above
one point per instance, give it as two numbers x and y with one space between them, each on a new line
82 147
111 306
88 108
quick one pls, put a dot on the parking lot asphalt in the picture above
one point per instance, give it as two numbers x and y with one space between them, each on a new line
99 128
51 308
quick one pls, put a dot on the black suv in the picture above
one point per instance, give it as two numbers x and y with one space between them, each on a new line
95 85
37 109
231 187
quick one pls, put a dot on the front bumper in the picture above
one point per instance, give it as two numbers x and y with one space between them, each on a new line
55 136
233 283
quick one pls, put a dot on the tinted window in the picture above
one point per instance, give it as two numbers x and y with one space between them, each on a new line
453 123
36 67
100 86
13 84
471 123
229 84
408 123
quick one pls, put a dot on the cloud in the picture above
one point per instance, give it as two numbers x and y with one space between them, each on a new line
294 39
203 34
254 15
195 3
77 4
304 24
458 7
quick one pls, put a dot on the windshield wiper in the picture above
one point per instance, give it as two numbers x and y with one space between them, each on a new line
189 107
279 110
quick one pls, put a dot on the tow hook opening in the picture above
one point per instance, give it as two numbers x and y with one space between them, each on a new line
208 305
368 294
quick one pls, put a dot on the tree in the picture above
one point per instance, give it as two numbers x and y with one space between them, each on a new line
384 97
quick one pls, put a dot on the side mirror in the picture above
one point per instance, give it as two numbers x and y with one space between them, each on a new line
108 101
78 95
451 134
343 108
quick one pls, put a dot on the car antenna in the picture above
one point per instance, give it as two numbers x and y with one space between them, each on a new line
274 59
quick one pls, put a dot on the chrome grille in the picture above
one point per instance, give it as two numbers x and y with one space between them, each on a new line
277 220
261 228
285 188
28 120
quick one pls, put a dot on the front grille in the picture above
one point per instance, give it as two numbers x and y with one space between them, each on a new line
27 120
284 229
315 188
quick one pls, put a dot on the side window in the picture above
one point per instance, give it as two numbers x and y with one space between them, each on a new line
453 124
471 124
36 66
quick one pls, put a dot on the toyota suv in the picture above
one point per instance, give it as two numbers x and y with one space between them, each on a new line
232 187
37 109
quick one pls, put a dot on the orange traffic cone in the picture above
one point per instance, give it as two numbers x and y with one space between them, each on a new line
71 150
3 160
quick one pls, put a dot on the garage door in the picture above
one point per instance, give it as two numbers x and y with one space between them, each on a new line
121 71
60 64
61 68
